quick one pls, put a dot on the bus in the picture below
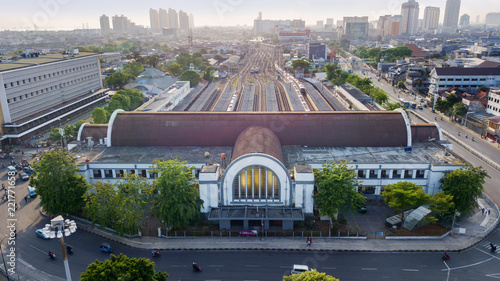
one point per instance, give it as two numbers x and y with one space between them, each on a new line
404 103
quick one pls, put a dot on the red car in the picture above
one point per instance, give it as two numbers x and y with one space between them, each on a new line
247 232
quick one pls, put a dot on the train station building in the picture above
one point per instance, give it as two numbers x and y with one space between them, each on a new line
256 168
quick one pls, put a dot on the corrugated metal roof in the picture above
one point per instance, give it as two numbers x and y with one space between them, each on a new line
470 71
96 131
424 132
256 139
317 129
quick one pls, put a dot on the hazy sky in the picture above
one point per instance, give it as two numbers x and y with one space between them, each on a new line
71 14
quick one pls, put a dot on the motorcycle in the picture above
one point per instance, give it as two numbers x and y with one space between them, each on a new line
196 267
69 249
52 255
155 254
445 257
493 248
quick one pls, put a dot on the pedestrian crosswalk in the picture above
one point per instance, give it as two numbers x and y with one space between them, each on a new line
487 245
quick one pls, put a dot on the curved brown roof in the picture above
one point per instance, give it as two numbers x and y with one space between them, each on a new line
96 131
256 139
424 132
317 129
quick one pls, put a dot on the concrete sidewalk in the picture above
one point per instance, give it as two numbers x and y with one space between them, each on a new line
466 233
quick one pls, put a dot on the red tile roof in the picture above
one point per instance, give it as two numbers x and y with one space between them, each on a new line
416 51
489 64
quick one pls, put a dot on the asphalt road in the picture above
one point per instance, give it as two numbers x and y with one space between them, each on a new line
476 263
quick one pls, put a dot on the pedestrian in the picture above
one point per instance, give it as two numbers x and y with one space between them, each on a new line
308 243
482 210
489 212
310 240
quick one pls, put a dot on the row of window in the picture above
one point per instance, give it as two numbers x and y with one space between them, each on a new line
493 108
462 79
108 174
458 86
61 85
46 76
385 174
493 99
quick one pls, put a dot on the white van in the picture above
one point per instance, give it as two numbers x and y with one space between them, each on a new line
299 268
12 169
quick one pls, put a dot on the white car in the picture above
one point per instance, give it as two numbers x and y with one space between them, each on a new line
299 268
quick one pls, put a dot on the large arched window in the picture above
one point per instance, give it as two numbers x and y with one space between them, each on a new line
256 184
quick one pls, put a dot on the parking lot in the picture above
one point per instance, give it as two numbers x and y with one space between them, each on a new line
372 222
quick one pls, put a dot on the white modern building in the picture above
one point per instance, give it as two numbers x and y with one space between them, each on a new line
493 106
467 79
451 14
409 11
39 92
431 19
168 99
255 162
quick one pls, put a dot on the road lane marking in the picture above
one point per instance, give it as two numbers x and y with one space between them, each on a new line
40 250
216 265
249 265
409 269
328 268
368 268
495 275
285 266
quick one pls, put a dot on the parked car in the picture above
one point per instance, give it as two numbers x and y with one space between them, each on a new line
299 268
24 176
40 233
106 248
247 232
31 191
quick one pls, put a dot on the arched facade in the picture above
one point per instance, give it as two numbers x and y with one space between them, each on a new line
255 179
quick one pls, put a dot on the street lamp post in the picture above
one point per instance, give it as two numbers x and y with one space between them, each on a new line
62 228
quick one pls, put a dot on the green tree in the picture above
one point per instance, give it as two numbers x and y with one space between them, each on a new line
174 69
55 135
312 275
337 189
123 268
442 105
123 99
302 64
153 60
465 185
458 109
203 51
120 206
135 98
178 193
57 182
218 58
401 85
133 68
392 105
209 74
403 195
442 206
99 116
113 105
118 79
191 76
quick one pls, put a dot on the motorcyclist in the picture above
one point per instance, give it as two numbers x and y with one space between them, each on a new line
52 255
196 267
446 256
155 253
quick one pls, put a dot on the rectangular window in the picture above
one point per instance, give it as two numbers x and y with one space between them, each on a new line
373 174
143 173
108 174
384 174
408 174
361 173
97 173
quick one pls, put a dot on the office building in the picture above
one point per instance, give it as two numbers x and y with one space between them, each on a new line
464 21
39 92
451 14
397 22
492 18
120 24
384 25
409 11
356 28
105 27
191 21
467 79
173 19
493 106
163 14
183 21
154 19
319 25
317 51
431 19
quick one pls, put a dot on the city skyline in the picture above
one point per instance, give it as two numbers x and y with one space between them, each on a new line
68 15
